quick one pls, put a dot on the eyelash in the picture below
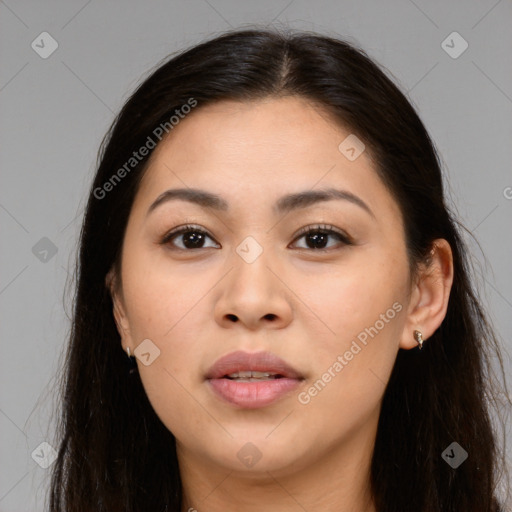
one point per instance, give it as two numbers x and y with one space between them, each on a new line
325 229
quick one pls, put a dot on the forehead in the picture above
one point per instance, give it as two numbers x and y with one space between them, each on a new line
259 150
260 131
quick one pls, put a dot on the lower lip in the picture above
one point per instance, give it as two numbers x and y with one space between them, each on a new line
252 395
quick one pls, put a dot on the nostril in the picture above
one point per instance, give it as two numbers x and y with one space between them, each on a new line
270 316
232 317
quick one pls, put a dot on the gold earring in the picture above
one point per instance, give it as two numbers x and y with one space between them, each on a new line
128 351
419 338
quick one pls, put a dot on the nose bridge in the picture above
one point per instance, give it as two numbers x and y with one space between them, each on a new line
250 249
252 292
251 262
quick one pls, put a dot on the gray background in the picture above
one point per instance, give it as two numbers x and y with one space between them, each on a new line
54 112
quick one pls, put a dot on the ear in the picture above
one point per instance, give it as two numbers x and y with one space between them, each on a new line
429 295
119 311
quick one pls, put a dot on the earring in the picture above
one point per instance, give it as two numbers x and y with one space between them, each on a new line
132 363
419 338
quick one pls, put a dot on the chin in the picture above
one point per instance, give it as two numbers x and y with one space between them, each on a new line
254 452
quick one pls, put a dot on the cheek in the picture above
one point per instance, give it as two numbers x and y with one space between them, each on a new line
173 323
353 366
347 299
166 304
354 338
161 295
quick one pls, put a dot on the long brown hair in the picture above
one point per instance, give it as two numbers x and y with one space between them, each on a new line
115 453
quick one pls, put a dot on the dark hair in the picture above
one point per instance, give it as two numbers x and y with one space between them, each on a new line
114 450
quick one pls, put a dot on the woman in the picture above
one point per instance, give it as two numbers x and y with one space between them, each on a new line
267 239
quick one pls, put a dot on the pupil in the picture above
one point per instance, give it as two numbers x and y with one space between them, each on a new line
318 237
193 240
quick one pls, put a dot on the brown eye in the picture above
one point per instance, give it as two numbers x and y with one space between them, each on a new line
317 238
189 237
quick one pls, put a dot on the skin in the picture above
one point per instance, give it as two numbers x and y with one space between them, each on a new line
314 456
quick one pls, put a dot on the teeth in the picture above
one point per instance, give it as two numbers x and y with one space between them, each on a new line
250 376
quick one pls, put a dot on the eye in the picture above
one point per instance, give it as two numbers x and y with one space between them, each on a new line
191 237
316 237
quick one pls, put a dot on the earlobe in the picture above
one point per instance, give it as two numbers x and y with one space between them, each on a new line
431 293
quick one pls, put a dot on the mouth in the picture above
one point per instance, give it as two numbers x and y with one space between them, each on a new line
252 380
250 376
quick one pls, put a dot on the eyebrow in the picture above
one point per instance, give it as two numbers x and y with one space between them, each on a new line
283 205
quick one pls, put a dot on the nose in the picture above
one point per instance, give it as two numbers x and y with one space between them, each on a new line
254 296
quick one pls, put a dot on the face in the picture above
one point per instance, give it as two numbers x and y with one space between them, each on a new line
320 283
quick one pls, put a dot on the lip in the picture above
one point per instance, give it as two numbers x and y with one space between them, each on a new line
252 395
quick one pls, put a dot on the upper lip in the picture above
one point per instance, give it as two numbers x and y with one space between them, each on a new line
257 361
